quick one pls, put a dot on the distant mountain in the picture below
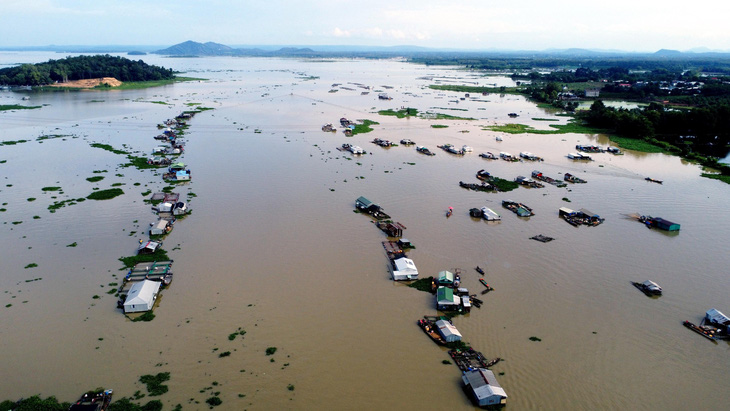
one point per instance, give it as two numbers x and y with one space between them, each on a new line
192 48
668 53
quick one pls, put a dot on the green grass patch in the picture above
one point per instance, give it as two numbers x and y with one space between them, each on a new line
504 185
51 189
475 89
403 113
422 284
364 127
533 338
105 194
224 354
131 261
29 199
155 384
440 116
31 265
51 136
636 144
95 179
139 163
439 126
290 387
573 126
5 107
544 119
214 401
270 351
107 147
12 142
723 178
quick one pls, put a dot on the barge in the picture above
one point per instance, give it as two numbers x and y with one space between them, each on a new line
518 208
425 150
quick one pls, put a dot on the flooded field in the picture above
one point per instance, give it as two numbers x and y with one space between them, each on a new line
274 248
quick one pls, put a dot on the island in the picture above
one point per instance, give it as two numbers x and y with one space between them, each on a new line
86 72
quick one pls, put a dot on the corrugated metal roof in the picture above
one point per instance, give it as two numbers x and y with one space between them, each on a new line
484 384
445 294
448 331
715 316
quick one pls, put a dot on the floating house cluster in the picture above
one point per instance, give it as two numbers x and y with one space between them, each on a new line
450 297
142 285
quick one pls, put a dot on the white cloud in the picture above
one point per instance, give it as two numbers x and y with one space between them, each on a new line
337 32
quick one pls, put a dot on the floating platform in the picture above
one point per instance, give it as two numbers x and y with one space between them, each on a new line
469 359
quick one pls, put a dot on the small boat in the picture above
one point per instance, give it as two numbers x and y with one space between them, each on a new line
648 287
479 270
425 150
449 212
466 149
488 155
707 332
653 180
407 142
485 284
428 327
93 401
498 138
513 115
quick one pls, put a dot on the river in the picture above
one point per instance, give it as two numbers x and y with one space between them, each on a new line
273 247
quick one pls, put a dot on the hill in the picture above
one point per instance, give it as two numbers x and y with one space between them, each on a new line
193 48
82 68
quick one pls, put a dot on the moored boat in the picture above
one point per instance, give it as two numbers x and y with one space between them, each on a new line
424 150
480 270
653 180
93 401
705 331
428 327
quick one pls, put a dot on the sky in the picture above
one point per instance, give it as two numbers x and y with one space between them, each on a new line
629 25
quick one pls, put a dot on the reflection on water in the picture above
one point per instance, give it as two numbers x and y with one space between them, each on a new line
274 247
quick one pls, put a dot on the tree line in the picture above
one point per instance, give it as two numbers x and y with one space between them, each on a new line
81 68
704 129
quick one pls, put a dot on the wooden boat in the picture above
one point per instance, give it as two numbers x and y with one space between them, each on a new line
479 270
653 180
449 212
648 287
484 175
573 179
424 150
407 142
484 283
707 332
93 401
428 327
488 155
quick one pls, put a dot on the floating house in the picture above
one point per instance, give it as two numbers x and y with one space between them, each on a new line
661 223
162 226
490 215
446 300
483 387
448 332
713 316
148 247
368 207
142 296
404 269
446 278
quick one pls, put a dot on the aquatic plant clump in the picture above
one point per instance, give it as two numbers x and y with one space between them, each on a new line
105 194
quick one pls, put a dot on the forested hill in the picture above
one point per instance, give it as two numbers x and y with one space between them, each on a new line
80 68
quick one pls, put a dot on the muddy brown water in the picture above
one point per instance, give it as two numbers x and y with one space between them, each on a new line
273 247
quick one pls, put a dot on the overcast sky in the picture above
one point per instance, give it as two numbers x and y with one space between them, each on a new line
632 25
